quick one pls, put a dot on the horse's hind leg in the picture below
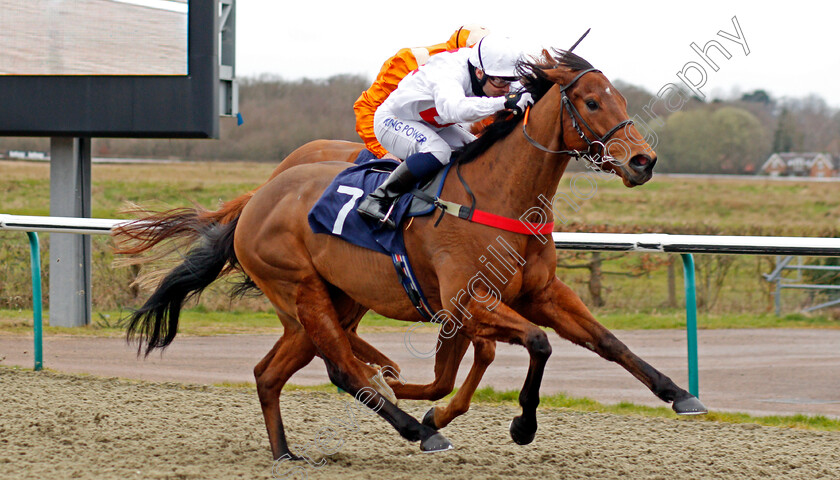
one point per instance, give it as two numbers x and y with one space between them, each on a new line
448 358
485 352
450 352
368 354
318 316
558 307
292 352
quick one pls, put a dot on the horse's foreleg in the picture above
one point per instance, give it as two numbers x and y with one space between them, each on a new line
504 324
485 353
560 308
450 352
292 352
318 316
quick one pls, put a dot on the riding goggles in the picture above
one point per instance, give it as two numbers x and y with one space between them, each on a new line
500 82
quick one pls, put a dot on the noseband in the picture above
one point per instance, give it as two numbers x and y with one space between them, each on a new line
577 119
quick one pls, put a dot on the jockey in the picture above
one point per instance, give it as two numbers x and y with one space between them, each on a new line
393 70
420 121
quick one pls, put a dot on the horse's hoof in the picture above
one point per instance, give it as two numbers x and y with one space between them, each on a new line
429 419
288 456
521 432
435 443
689 406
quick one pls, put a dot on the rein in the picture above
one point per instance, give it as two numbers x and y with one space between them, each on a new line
577 119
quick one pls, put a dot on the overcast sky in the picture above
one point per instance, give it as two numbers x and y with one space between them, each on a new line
793 51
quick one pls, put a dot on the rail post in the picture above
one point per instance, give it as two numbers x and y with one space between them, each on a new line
691 323
37 317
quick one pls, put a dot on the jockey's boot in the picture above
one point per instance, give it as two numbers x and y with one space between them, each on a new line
378 204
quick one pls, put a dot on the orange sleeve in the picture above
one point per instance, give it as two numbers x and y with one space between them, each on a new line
440 47
386 82
392 71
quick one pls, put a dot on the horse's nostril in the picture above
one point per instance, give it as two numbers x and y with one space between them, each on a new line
642 162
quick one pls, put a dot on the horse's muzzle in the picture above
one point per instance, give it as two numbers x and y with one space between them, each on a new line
640 171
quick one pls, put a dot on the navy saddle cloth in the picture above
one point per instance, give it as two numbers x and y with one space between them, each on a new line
335 212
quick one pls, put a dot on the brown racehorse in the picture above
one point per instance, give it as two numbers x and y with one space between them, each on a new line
318 283
451 349
190 223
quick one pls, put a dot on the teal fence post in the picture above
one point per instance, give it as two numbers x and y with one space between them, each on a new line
691 323
37 319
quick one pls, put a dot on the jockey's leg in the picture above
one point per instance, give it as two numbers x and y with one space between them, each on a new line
378 204
424 151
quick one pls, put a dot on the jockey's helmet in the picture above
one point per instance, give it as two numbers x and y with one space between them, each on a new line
496 55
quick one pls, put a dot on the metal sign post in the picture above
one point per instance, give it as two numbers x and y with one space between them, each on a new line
70 255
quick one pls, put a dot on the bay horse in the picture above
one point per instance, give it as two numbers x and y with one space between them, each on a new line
318 283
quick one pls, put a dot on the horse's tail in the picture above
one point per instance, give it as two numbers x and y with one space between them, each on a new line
230 210
156 322
179 226
209 237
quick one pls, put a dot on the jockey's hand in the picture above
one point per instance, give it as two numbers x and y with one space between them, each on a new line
517 102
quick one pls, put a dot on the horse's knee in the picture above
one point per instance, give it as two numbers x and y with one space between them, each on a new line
537 344
262 365
261 374
258 370
485 351
441 388
266 387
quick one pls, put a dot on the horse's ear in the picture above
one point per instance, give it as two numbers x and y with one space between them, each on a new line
539 64
547 58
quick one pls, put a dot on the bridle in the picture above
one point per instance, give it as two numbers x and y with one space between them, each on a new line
577 120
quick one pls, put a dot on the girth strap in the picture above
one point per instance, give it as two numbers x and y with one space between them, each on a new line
412 287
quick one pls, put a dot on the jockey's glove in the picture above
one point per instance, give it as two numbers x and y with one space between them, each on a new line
517 102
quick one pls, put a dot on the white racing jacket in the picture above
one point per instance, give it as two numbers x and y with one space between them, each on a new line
440 93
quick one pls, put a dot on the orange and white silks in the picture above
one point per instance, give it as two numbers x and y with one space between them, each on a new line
393 70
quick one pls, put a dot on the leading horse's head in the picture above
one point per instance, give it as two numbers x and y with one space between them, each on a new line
593 116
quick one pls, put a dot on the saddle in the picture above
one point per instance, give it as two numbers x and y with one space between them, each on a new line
335 212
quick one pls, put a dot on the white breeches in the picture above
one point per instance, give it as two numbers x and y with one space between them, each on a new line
407 137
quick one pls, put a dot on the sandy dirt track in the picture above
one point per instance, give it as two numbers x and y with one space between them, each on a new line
61 426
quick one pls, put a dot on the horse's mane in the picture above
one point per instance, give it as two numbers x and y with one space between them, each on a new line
537 82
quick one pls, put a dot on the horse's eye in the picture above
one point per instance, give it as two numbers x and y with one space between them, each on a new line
592 105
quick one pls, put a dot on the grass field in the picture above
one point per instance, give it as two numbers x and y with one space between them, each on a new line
678 204
633 284
200 322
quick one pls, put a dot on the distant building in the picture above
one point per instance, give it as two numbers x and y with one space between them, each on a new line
792 164
30 155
